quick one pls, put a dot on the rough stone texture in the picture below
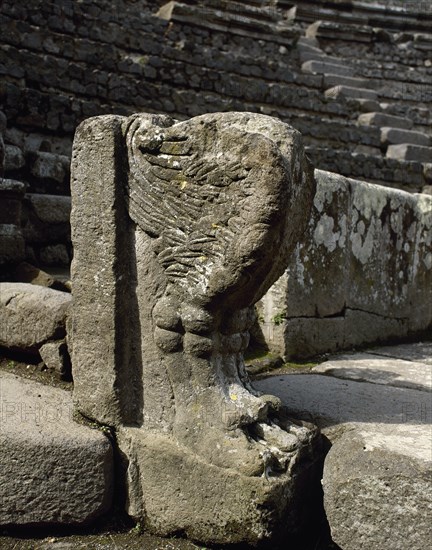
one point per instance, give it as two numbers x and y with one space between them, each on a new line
46 229
55 356
375 497
376 482
52 470
406 151
11 239
349 91
31 315
212 56
361 273
383 119
395 135
178 229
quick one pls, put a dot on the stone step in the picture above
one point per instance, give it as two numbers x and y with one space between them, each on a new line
406 151
331 80
325 67
230 22
382 119
348 91
335 31
47 459
391 136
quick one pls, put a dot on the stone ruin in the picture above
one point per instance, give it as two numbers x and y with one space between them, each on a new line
178 229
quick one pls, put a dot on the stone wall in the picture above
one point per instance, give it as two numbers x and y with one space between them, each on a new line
62 62
362 273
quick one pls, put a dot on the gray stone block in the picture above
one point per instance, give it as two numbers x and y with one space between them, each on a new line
14 158
31 315
391 136
56 357
325 67
331 80
348 91
376 481
49 166
383 119
52 470
406 151
51 209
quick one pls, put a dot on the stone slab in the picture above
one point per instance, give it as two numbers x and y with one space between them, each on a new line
325 68
377 369
406 151
52 470
31 315
418 352
348 91
382 119
376 481
331 80
391 136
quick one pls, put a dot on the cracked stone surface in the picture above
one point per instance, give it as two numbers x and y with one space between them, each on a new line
178 229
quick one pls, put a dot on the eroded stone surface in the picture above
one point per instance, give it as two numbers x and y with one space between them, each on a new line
163 283
361 273
52 470
31 315
376 481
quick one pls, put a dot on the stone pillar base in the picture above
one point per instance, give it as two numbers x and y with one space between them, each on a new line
172 490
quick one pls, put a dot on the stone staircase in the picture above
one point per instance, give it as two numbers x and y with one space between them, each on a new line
400 140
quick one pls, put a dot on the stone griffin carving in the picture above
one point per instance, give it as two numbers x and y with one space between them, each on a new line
212 208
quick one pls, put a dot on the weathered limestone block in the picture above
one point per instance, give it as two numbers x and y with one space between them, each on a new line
31 315
52 470
383 119
406 151
350 91
178 228
396 135
327 67
361 273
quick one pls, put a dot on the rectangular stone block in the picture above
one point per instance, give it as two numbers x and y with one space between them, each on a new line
348 91
325 67
331 80
382 119
391 136
101 274
405 151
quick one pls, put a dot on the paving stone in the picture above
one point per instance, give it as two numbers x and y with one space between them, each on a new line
383 119
376 480
418 352
52 470
406 151
378 369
